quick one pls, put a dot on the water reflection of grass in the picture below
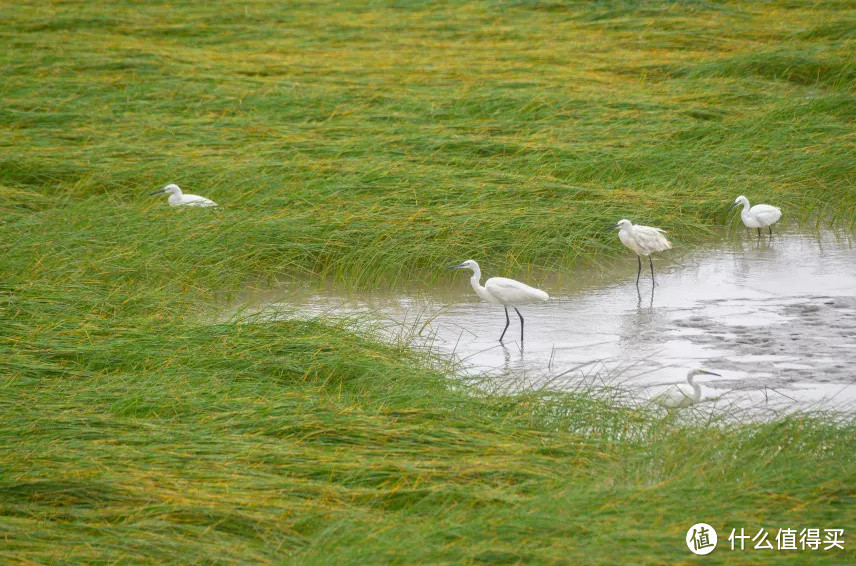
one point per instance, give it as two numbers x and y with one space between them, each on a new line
370 145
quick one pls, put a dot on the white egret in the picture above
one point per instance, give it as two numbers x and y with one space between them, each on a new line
178 198
757 216
682 395
503 291
644 240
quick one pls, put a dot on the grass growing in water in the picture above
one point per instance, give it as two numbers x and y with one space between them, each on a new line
371 145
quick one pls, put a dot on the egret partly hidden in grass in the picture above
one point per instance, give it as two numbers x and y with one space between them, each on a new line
503 291
178 198
644 240
758 216
683 395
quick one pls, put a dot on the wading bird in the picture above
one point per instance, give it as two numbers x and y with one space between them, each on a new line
681 395
502 291
757 216
177 198
644 240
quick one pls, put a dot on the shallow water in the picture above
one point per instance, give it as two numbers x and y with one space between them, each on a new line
777 318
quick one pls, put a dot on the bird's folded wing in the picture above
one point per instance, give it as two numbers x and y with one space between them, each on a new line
196 200
651 239
767 214
511 291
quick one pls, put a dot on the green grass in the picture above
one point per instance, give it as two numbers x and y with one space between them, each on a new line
368 145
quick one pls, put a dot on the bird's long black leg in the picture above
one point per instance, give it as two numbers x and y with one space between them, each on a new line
759 234
521 325
639 271
771 230
507 322
652 270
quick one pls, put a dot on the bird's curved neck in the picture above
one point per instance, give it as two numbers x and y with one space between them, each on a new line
475 281
696 387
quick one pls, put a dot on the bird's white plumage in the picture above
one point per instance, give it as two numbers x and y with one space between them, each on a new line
510 292
503 291
682 395
178 198
758 216
679 396
190 200
643 240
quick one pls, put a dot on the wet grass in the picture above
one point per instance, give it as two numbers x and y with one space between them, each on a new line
370 145
153 437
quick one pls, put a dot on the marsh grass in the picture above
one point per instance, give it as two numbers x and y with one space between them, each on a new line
367 145
370 146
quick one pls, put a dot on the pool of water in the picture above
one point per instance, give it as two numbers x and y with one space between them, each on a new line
776 318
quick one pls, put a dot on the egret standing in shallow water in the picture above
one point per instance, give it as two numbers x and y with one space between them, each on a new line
644 240
502 291
757 216
682 395
177 198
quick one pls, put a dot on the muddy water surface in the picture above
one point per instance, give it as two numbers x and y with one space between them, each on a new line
776 318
